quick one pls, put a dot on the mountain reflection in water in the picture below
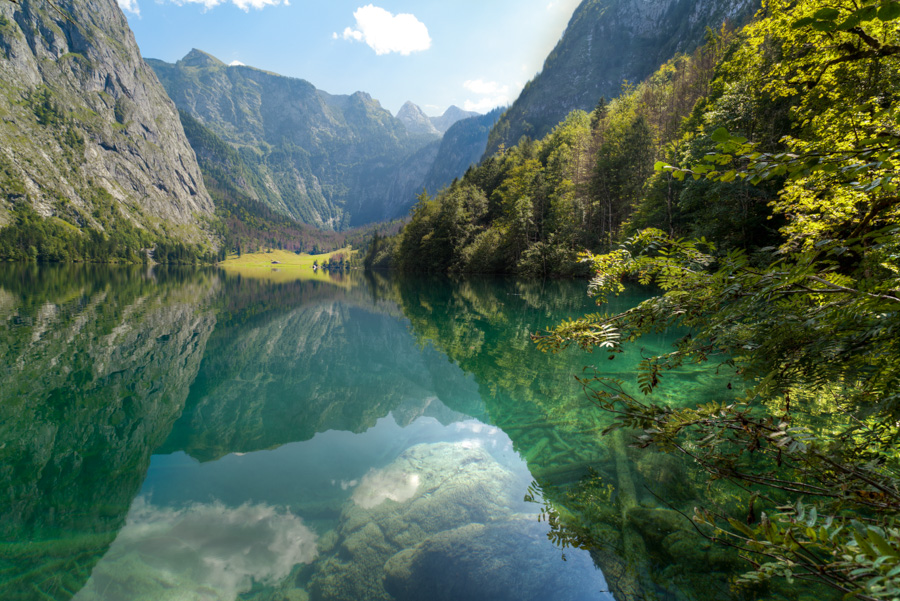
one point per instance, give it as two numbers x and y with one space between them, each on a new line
171 434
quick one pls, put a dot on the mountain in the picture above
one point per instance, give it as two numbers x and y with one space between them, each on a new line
328 160
415 120
606 43
246 222
461 147
88 136
451 116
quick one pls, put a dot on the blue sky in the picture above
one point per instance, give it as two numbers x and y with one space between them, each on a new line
475 54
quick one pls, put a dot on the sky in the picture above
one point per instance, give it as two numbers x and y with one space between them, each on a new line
475 54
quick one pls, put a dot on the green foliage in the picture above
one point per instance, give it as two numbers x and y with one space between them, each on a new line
11 185
31 237
809 329
507 215
45 110
120 110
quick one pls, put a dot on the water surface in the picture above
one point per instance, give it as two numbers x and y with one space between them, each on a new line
172 434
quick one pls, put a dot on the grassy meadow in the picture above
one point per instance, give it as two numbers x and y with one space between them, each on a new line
283 265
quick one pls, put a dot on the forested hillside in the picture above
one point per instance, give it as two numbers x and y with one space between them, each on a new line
461 147
754 183
532 208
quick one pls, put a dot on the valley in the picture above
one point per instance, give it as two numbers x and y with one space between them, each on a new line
608 312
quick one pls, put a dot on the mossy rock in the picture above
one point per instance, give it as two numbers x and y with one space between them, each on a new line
690 550
665 475
655 524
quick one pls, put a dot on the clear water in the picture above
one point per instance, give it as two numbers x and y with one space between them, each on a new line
181 435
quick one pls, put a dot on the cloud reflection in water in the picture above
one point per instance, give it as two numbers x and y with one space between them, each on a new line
203 551
378 486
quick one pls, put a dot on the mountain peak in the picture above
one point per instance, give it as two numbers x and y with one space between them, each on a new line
451 116
198 58
415 120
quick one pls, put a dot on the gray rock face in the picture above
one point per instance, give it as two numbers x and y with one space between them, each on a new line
501 561
606 43
415 120
85 127
326 160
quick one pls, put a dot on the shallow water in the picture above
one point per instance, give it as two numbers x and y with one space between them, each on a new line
172 434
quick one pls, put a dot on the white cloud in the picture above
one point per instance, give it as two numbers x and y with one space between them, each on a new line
236 64
350 34
483 88
206 551
493 94
484 105
244 5
130 6
385 33
563 6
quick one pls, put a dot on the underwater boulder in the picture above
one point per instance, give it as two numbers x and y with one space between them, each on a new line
428 489
656 523
693 552
665 475
501 561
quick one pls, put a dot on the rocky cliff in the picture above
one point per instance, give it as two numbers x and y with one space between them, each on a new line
415 120
327 160
607 43
87 134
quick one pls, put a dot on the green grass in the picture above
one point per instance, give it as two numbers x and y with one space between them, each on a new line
281 265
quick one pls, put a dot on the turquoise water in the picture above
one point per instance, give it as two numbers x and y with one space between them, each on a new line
185 435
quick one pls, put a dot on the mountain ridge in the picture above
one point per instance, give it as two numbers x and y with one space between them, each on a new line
333 161
452 115
608 43
415 119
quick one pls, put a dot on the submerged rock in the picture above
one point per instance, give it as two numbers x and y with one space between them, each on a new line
655 524
509 560
665 476
429 489
454 484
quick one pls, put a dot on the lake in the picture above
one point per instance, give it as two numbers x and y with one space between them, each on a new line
176 434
